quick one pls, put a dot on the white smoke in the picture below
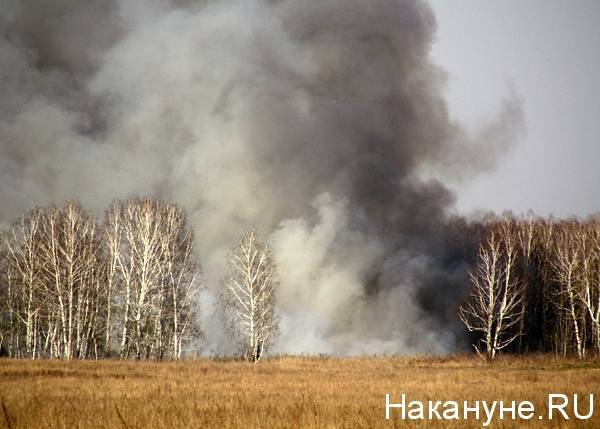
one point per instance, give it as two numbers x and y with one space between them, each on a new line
314 121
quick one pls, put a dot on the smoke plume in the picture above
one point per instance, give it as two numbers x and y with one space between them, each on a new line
322 123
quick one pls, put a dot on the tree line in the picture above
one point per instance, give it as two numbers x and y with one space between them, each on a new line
128 286
535 286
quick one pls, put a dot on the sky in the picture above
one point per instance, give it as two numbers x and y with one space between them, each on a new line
549 52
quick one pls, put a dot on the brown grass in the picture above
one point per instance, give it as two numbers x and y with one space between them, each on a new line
279 392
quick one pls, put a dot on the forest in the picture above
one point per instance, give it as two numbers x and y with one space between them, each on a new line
535 286
76 288
128 285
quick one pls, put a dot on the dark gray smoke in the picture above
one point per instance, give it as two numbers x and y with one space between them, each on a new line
320 122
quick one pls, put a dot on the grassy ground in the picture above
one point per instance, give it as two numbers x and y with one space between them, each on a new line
278 392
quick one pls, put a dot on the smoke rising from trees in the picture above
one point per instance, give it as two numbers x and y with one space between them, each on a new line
320 123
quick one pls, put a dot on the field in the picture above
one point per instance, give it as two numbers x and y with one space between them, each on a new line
278 392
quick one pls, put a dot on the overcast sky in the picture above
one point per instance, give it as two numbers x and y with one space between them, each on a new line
550 52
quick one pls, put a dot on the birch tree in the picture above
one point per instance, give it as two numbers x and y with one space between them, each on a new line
511 305
248 296
69 262
154 277
23 283
526 239
589 243
71 289
181 280
135 247
567 263
493 308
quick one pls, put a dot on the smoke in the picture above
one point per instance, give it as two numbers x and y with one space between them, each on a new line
322 123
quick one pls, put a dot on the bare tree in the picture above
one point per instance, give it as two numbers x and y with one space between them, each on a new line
181 280
111 251
22 276
566 264
511 308
120 271
67 286
248 296
154 277
526 238
5 323
552 322
52 276
494 305
142 232
589 242
137 252
68 260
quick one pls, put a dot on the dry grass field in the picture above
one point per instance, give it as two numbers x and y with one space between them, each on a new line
278 392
